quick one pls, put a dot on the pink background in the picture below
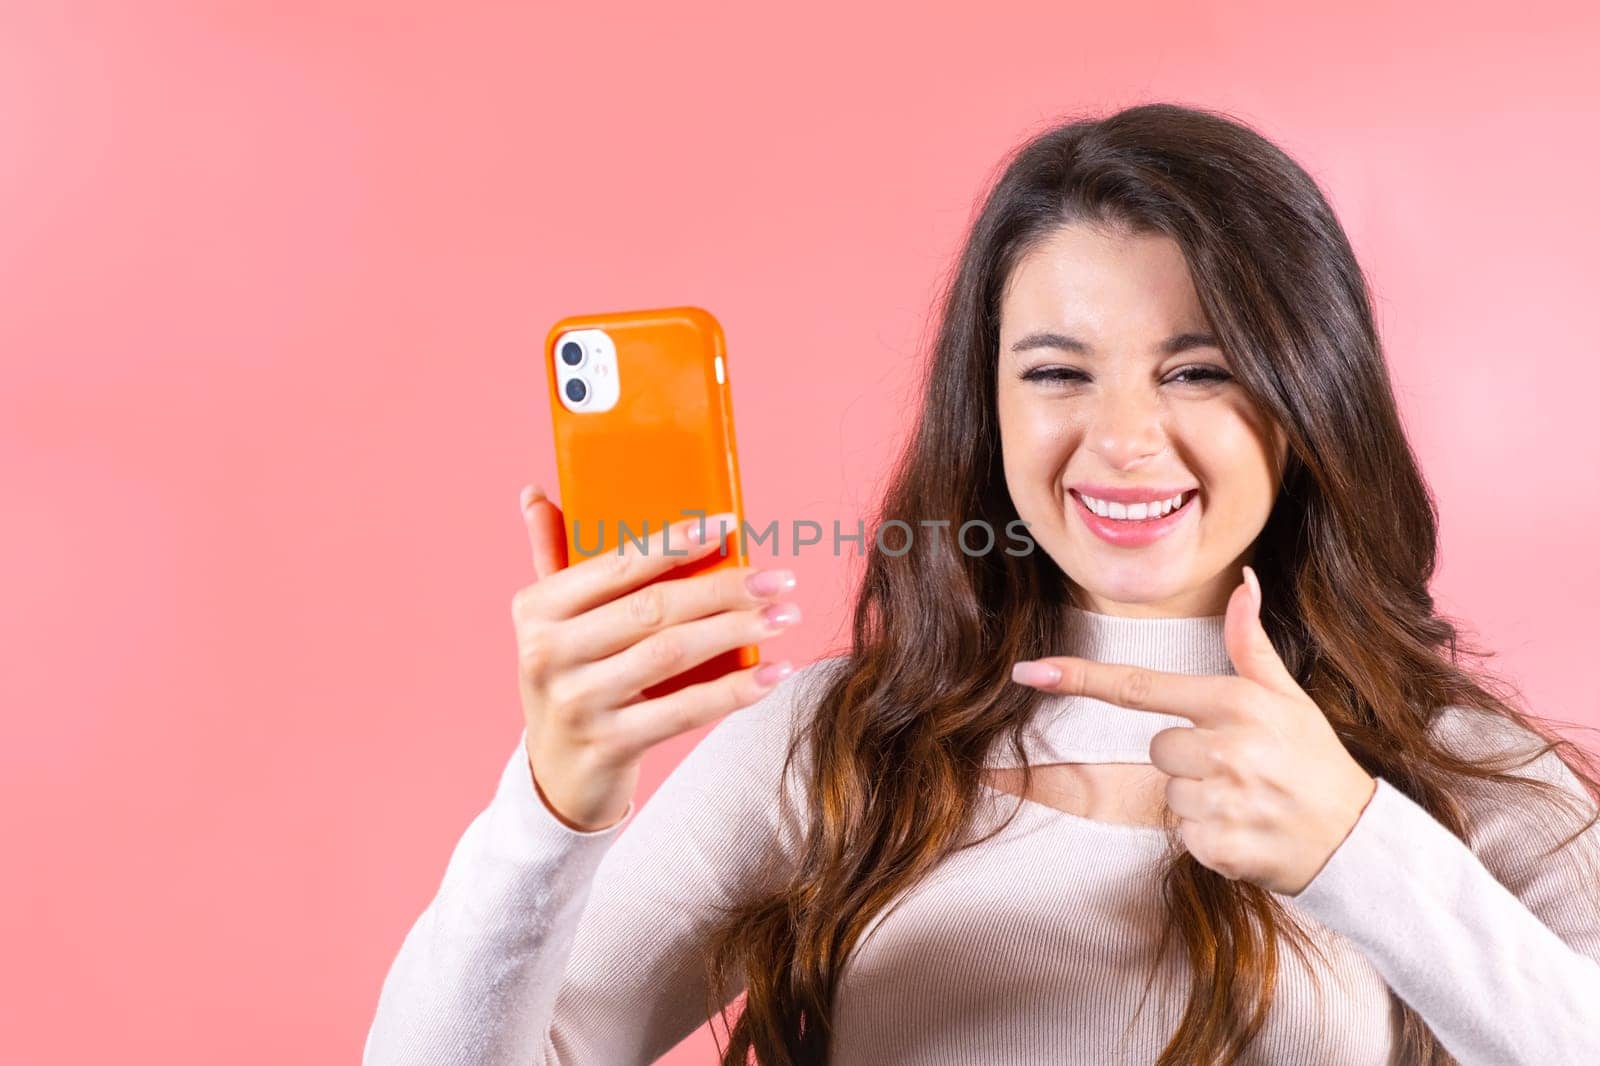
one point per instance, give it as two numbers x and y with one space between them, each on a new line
275 280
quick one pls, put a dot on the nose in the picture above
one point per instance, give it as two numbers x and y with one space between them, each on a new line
1127 428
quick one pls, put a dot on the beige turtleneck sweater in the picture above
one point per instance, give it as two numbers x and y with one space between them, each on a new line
548 945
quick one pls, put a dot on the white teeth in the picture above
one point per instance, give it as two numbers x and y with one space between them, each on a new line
1131 512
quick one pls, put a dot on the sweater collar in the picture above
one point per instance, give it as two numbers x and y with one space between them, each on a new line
1081 729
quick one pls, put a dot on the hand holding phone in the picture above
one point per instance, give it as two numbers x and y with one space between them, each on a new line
593 636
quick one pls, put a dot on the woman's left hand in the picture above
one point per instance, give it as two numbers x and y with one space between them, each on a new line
1264 789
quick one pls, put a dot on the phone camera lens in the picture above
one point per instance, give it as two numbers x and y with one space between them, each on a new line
577 391
572 353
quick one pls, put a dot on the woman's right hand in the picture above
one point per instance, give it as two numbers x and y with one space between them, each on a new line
592 635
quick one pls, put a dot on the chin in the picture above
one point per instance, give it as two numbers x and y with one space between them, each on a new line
1131 581
1145 597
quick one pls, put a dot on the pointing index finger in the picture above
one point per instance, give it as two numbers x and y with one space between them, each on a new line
1204 699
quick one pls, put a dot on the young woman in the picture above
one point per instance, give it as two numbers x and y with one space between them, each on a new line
1070 804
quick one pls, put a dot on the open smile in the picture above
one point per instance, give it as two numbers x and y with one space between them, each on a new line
1132 532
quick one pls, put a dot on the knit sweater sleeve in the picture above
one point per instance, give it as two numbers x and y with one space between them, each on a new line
548 945
1495 944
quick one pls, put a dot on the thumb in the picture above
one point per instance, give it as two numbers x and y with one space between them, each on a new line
1249 646
547 531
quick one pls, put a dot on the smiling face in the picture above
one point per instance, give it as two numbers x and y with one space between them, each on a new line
1109 378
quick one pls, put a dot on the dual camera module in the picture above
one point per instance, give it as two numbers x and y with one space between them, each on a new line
576 389
586 370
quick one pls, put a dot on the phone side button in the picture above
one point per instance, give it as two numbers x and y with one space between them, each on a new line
722 375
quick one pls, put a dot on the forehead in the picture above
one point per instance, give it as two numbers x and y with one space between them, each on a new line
1093 279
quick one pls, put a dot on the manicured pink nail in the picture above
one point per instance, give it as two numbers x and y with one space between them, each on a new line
712 528
769 674
781 614
1035 673
770 582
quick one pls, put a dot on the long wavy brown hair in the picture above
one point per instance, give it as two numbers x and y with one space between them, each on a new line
898 737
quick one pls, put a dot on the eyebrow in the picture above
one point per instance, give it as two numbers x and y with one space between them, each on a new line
1178 342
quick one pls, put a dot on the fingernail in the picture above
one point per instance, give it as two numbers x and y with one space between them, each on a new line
1035 673
769 674
781 614
712 528
528 495
1255 587
769 582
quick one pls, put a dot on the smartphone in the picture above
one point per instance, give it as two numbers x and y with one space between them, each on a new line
643 422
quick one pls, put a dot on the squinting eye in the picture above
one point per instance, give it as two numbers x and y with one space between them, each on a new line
1052 373
1203 374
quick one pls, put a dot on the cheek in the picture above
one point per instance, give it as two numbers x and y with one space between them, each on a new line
1231 452
1035 443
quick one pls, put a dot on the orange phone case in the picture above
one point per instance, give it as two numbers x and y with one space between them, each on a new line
663 452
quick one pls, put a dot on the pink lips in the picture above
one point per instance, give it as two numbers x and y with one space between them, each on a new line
1125 534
